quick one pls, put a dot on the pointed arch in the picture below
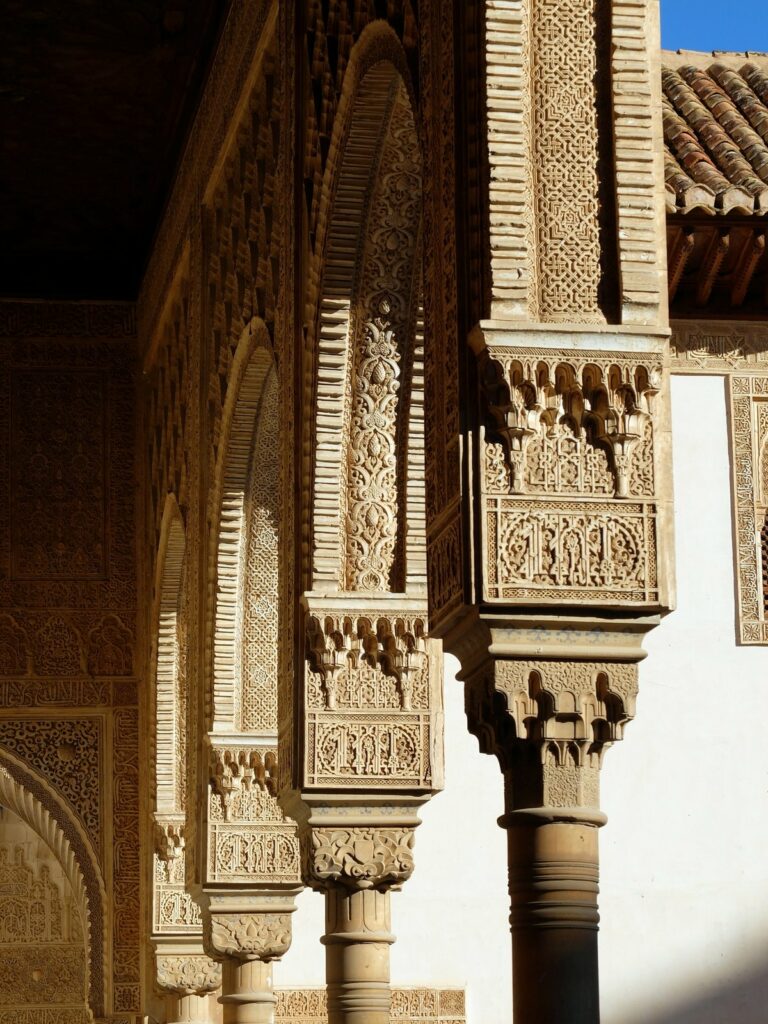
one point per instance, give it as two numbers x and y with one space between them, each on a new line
245 549
368 530
25 793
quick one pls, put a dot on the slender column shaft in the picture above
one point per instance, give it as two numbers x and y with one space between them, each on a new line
553 884
247 992
189 1008
357 942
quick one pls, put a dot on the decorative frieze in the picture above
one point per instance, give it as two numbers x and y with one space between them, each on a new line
409 1006
710 346
250 840
371 695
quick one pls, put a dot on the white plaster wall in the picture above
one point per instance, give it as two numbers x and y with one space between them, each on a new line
684 897
684 873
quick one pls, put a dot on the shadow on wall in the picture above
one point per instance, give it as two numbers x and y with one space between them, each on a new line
743 1002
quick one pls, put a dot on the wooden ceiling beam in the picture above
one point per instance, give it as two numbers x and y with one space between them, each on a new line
681 249
711 264
752 252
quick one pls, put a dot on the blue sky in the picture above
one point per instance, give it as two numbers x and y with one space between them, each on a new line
714 24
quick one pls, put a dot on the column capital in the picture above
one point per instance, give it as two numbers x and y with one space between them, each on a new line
549 722
357 857
183 968
255 936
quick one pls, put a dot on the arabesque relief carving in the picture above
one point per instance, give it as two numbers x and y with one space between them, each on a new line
576 439
370 699
188 974
262 936
372 501
42 944
707 346
566 79
250 839
748 401
409 1006
360 858
68 603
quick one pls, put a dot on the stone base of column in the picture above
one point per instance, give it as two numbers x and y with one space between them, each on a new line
553 884
357 942
189 1009
247 993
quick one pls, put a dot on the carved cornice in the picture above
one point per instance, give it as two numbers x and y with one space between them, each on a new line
188 974
392 642
169 838
602 402
358 858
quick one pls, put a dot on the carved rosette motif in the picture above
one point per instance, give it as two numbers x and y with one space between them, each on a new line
569 479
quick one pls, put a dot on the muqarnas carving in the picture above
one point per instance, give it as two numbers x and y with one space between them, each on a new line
370 699
568 479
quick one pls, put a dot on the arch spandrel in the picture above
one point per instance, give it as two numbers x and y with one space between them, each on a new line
25 794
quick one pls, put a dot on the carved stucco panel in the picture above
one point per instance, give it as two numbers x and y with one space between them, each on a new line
409 1006
748 408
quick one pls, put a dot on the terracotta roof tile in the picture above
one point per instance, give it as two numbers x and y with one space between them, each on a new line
716 132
